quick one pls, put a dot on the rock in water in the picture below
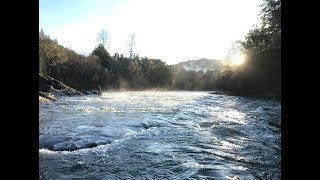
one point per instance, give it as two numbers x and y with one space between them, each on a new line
49 84
47 96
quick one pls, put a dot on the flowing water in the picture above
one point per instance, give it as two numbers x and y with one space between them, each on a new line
160 135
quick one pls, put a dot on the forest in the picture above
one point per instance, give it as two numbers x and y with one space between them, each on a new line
260 74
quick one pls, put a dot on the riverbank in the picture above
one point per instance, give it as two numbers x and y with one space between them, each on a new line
254 93
50 89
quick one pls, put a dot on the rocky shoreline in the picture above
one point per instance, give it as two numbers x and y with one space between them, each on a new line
51 89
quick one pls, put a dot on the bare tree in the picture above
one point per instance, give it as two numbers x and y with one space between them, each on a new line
131 43
103 37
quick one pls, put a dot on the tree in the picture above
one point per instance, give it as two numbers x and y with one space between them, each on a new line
103 55
42 35
50 55
268 36
262 46
131 43
156 72
103 38
271 20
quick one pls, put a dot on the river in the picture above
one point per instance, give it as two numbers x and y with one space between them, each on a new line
160 135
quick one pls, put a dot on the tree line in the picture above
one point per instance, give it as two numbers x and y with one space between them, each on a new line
260 73
117 71
100 68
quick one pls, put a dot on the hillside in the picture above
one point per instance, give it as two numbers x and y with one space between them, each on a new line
198 65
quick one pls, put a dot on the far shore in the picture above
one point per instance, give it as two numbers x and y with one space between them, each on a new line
53 94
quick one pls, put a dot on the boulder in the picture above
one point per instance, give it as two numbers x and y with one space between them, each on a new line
43 99
49 84
71 92
47 96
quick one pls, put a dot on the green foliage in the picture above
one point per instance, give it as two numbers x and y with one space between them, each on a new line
104 56
100 68
156 72
84 74
262 71
268 35
141 73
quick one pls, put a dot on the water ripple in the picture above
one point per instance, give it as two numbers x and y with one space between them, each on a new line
160 135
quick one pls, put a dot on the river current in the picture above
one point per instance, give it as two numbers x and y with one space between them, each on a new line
160 135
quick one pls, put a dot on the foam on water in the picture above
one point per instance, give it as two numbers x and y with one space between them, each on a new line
160 135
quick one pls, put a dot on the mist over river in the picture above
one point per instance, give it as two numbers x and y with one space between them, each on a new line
160 135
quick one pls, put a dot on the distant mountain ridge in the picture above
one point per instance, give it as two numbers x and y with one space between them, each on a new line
200 64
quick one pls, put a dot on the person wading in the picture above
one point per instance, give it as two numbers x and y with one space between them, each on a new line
99 90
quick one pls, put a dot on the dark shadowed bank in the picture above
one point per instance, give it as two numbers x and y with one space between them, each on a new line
50 89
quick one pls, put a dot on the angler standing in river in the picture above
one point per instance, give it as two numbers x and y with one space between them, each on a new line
99 90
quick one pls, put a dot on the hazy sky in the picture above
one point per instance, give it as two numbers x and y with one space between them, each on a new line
170 30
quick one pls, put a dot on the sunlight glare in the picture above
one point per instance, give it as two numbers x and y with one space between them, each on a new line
238 59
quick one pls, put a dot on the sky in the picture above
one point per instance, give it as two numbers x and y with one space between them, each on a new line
170 30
